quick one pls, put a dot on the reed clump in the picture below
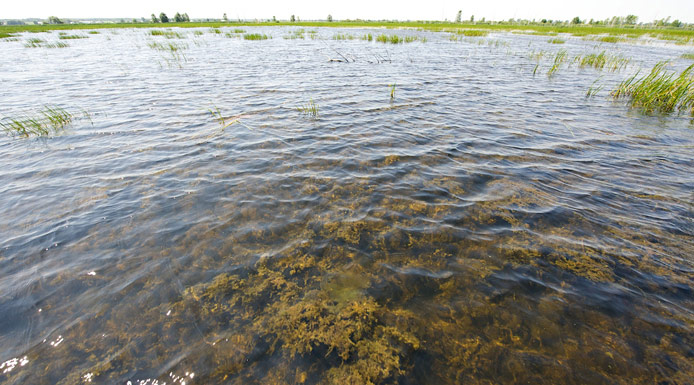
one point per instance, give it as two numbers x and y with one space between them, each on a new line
255 36
4 35
661 91
609 39
556 41
49 120
309 109
38 43
472 32
603 60
166 34
72 37
559 59
689 56
395 39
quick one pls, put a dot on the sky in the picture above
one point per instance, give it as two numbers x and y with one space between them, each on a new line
646 10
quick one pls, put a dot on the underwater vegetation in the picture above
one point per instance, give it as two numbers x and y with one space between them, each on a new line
48 121
661 91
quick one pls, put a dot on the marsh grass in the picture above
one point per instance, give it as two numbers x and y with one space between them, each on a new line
559 59
603 60
557 41
174 49
72 37
166 34
367 37
216 31
392 90
296 34
472 32
689 56
343 36
49 120
609 39
309 109
255 36
4 35
594 89
38 43
198 33
93 32
219 117
395 39
661 91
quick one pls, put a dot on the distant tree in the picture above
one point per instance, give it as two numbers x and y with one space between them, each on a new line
163 18
482 21
225 18
472 19
185 17
134 21
178 18
292 19
576 20
330 18
543 21
54 20
154 18
676 23
631 19
274 19
459 16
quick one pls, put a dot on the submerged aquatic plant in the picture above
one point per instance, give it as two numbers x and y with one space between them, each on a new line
49 120
660 91
392 90
309 109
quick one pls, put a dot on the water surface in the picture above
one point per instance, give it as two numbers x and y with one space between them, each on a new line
486 225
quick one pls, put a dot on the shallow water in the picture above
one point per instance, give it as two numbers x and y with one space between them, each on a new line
486 225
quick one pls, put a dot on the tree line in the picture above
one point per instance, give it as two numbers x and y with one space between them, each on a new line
178 18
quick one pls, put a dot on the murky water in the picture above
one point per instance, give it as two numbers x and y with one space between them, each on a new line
486 225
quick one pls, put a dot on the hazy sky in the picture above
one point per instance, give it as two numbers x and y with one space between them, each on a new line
646 10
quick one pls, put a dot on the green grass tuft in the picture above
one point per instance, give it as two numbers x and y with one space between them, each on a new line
660 91
603 60
72 37
166 34
255 36
689 56
50 120
309 109
557 41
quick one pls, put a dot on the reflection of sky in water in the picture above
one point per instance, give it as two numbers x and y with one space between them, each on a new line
484 225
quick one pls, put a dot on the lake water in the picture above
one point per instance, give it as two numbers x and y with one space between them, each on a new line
487 224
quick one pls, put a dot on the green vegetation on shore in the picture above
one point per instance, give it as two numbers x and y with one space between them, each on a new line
579 30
